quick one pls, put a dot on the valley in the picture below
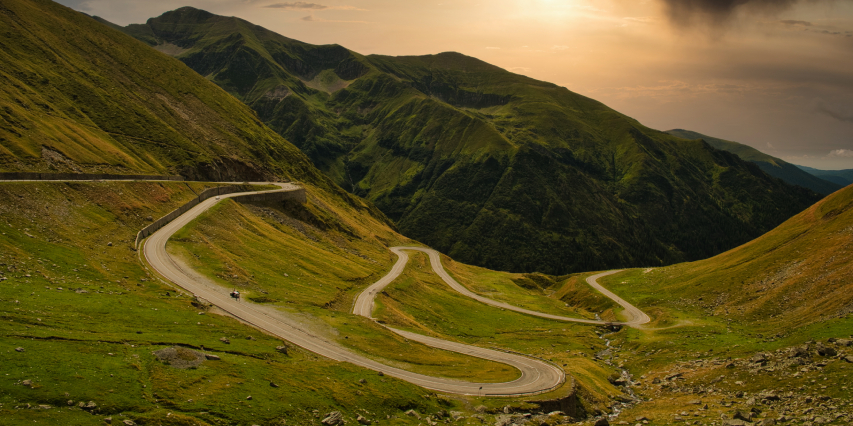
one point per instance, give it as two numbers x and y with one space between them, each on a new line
416 240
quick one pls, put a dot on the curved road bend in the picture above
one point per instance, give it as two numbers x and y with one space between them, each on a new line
536 376
364 303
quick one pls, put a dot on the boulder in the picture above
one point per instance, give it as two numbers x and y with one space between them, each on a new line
767 422
282 349
333 418
19 349
212 357
28 383
413 413
362 420
826 351
128 423
224 340
602 422
742 415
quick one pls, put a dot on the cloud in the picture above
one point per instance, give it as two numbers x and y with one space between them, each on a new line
793 22
683 13
846 153
837 112
312 18
492 48
299 5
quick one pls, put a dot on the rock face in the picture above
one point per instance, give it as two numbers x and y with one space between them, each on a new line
333 418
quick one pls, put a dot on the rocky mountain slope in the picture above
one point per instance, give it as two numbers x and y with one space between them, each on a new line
776 167
472 159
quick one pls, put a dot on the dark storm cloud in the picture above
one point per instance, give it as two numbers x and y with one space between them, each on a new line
716 12
835 111
794 22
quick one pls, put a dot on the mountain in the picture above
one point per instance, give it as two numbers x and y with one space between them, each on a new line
841 177
472 159
778 168
82 97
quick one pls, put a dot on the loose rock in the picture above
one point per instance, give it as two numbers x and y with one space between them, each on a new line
333 418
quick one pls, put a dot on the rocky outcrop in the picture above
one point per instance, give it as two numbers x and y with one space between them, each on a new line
569 403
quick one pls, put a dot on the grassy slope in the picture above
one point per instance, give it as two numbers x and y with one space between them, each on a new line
785 288
97 345
788 288
792 276
771 165
469 158
105 102
325 269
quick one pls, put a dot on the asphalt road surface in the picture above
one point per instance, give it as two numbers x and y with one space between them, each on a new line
364 302
536 376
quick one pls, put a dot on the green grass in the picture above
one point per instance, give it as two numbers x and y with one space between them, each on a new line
419 301
92 340
316 275
567 295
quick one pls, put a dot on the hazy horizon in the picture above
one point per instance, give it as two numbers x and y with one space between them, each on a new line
771 74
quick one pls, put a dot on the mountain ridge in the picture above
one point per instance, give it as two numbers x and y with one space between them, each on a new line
469 158
773 166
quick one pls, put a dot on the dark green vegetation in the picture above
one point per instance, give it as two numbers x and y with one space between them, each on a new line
778 168
471 159
841 177
88 315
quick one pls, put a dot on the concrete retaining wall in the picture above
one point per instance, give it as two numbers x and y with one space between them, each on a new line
81 176
296 195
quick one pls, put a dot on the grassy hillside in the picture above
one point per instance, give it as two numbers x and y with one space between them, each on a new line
472 159
841 177
778 168
770 318
793 276
84 97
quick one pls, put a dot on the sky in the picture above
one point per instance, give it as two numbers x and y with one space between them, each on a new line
773 74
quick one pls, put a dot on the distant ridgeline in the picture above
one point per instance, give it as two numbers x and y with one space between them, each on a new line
81 176
776 167
490 167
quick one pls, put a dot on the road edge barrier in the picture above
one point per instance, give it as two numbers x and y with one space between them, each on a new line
272 195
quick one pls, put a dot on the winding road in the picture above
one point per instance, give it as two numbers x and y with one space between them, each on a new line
537 376
364 303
